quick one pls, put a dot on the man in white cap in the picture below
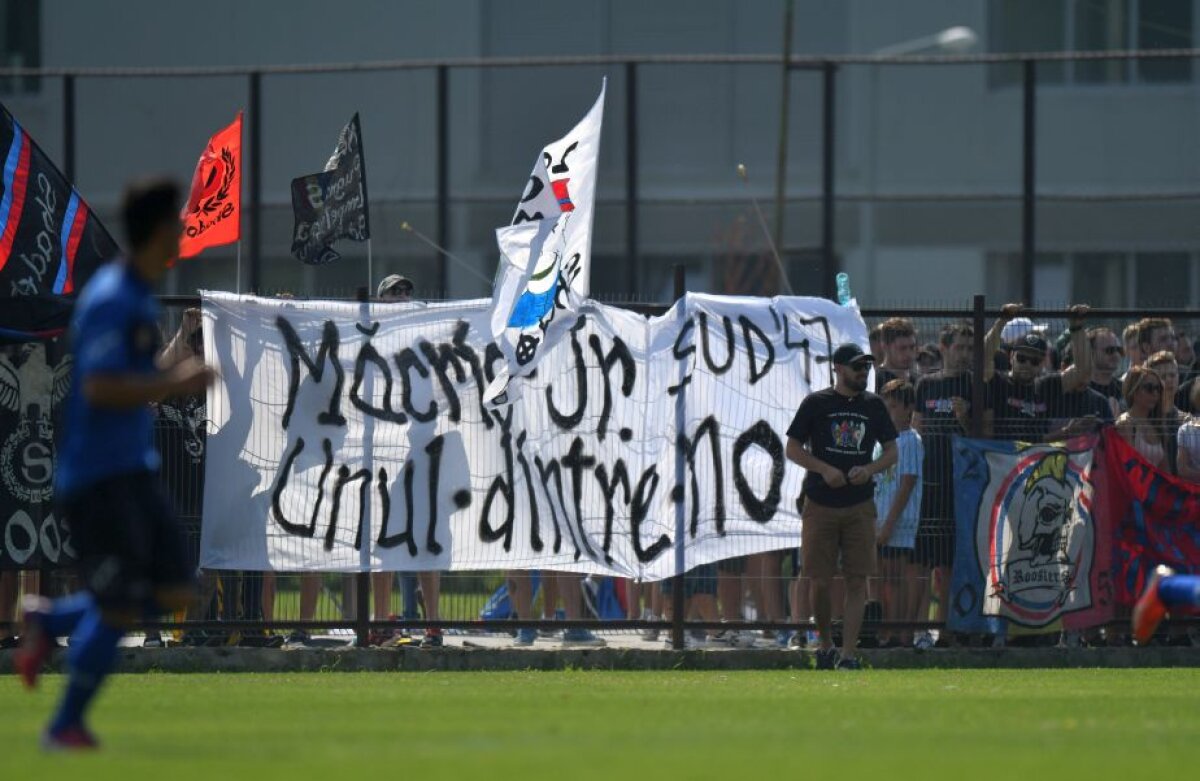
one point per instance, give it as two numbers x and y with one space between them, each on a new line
395 287
1016 329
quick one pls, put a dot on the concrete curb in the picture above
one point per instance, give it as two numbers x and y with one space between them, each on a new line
266 660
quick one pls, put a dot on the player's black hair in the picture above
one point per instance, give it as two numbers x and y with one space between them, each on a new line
146 205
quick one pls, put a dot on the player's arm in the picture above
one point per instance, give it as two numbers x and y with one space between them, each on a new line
128 390
799 454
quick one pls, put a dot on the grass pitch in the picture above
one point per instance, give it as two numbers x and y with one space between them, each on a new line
628 725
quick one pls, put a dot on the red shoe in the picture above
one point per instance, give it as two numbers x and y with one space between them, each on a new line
1149 610
76 738
36 645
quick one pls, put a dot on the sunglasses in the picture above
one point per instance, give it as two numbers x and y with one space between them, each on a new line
1114 350
1026 359
1151 388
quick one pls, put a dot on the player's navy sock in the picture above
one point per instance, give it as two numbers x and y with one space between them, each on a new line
66 613
93 652
1180 590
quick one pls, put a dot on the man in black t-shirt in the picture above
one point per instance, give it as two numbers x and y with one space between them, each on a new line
1107 353
833 437
899 338
1025 400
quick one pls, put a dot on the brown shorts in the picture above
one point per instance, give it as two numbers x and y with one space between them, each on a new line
830 531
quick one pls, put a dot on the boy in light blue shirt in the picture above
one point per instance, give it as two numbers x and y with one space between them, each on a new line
898 511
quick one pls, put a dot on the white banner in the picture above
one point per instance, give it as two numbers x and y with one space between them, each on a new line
353 436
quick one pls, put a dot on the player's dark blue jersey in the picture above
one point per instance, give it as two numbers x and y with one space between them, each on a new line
114 331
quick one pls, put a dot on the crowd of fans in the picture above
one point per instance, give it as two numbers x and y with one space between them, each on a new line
1036 386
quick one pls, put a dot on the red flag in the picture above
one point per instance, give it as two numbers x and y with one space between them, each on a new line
213 214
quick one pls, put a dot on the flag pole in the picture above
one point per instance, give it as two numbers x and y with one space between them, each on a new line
370 269
239 266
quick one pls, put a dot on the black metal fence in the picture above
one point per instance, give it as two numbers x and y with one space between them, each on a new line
758 600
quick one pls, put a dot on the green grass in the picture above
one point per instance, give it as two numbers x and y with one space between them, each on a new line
572 725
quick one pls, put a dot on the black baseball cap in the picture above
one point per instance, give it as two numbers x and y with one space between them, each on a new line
1031 343
849 354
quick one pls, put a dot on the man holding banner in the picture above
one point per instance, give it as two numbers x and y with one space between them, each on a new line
833 437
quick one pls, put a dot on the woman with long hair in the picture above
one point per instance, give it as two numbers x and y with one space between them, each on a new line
1141 425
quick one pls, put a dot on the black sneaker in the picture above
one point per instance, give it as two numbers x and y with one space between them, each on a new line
297 639
850 663
827 658
432 639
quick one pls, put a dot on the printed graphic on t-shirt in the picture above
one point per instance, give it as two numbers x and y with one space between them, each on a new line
1030 408
848 435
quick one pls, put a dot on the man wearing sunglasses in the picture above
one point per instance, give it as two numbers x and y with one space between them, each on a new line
1107 353
1024 400
833 438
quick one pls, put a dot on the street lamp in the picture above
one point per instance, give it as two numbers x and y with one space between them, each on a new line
952 40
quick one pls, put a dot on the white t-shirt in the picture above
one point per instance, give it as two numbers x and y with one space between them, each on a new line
1189 440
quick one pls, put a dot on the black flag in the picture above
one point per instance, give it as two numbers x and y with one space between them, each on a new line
50 241
332 205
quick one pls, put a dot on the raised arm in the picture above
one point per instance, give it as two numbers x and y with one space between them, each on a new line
1079 373
991 342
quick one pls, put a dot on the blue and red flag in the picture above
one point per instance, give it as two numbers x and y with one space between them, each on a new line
50 240
1155 517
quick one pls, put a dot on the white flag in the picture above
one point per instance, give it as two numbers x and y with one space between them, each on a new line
546 253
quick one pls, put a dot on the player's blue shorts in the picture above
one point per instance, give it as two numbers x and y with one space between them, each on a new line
128 542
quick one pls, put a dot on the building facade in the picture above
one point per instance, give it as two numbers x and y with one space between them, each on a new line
928 158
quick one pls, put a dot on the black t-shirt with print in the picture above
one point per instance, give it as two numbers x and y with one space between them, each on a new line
1019 409
842 432
938 423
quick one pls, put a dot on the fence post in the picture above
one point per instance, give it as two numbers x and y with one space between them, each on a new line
443 176
1028 180
978 328
255 183
362 580
784 118
69 128
828 166
631 181
678 600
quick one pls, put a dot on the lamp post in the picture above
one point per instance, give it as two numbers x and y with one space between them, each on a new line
952 40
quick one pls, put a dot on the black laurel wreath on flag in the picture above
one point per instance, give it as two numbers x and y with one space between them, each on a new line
213 202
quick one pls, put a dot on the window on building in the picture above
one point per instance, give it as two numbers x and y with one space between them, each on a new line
1153 280
1164 279
1016 26
20 43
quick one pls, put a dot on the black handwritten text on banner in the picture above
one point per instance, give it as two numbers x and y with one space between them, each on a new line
352 436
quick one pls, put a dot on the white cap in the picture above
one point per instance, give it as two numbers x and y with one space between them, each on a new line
1016 328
